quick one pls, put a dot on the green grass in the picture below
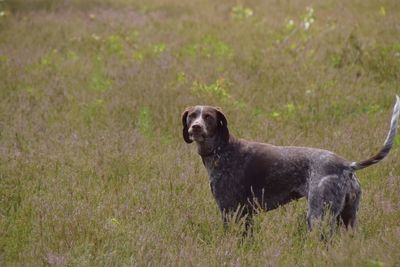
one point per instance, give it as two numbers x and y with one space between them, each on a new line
93 167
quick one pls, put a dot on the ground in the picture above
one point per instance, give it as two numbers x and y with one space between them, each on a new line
93 167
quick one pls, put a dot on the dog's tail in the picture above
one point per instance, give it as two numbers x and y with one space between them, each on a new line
388 142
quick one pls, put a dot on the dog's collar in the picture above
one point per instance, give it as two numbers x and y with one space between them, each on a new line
212 157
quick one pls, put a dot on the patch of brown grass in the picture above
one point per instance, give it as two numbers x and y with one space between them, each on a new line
93 168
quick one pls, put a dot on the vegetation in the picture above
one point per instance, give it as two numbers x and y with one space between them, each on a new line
93 168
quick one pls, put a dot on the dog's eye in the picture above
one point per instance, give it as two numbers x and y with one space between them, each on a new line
207 117
192 115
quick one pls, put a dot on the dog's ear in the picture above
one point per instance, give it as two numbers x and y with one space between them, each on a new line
222 124
185 126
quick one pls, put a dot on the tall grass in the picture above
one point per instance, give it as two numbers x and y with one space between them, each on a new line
93 168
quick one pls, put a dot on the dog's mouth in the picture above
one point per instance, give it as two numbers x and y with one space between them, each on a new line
198 136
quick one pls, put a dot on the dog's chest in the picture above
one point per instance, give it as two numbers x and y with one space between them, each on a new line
221 168
225 178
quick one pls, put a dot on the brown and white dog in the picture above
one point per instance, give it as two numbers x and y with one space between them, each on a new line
249 174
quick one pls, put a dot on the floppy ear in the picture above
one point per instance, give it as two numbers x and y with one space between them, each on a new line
222 125
185 127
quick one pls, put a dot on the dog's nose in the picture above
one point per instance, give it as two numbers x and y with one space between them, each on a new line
196 127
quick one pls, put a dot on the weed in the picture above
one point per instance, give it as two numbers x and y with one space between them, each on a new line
114 45
217 89
144 122
373 263
158 48
93 111
308 19
150 51
180 77
99 81
210 47
240 12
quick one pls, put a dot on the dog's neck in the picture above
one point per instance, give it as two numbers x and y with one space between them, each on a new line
210 151
207 147
211 146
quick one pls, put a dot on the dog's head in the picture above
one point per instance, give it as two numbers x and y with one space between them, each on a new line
204 122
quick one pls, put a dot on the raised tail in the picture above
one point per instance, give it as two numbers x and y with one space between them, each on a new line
388 142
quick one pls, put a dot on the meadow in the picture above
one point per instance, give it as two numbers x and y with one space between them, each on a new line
93 167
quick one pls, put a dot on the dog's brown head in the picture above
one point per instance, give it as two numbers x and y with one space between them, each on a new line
203 122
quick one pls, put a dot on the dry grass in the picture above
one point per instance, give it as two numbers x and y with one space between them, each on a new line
93 168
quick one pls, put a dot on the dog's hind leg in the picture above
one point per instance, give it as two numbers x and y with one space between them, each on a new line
326 194
349 212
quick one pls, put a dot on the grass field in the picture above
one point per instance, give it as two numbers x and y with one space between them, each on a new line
93 167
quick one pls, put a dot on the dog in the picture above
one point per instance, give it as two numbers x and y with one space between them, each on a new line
246 175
